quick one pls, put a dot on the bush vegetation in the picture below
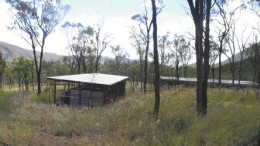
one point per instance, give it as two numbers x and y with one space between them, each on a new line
233 119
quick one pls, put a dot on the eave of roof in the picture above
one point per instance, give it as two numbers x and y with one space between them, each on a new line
93 78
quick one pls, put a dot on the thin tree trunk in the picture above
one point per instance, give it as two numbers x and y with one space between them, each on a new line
206 57
38 74
233 69
78 63
146 65
240 70
97 62
84 65
177 72
185 71
213 74
141 73
220 66
156 62
1 80
258 77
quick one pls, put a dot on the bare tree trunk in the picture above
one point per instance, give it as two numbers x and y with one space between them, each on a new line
219 68
258 77
185 71
97 62
141 72
2 68
84 66
213 74
1 80
199 36
177 72
240 70
206 57
148 28
78 63
202 57
146 65
233 70
156 62
38 74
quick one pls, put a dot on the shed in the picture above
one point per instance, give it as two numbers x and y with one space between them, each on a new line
170 81
90 90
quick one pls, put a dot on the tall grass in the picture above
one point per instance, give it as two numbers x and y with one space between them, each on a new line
233 119
5 103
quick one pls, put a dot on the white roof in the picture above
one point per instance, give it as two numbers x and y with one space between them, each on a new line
93 78
236 82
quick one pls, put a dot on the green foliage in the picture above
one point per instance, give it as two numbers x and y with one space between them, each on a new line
42 98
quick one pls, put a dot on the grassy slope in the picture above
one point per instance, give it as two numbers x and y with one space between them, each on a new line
233 119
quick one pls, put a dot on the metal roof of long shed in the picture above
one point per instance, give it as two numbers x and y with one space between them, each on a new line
236 82
93 78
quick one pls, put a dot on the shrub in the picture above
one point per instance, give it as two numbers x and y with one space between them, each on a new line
6 104
42 98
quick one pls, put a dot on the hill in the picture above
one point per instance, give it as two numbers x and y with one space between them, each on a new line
237 58
13 51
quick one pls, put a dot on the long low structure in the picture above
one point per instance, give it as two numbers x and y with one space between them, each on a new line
93 89
167 80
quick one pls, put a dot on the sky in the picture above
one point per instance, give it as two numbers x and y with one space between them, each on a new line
116 15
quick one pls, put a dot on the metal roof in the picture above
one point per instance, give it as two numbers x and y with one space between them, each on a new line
236 82
93 78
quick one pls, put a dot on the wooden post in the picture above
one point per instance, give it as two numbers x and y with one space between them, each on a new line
54 92
80 97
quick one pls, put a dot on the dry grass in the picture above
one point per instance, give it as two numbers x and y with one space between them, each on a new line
233 119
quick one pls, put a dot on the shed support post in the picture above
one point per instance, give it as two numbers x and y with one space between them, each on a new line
80 98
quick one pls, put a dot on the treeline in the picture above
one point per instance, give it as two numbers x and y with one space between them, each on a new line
20 72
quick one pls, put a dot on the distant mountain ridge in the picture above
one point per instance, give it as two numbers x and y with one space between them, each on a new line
13 52
237 58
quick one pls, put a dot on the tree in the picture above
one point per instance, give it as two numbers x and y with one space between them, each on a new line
225 21
100 43
255 4
120 57
242 43
2 68
213 55
184 52
253 53
232 50
138 42
177 45
69 61
201 9
80 40
23 68
156 58
132 72
37 19
10 76
143 19
164 46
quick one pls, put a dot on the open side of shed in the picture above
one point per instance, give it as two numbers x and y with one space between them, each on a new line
89 89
